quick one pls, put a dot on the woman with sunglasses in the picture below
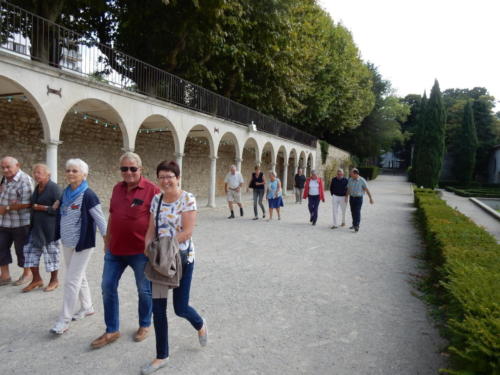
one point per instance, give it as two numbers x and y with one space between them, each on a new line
79 214
177 217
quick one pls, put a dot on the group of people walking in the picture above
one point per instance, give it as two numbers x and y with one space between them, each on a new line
42 219
343 190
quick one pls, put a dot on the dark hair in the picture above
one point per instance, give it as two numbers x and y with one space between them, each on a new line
256 167
169 166
355 171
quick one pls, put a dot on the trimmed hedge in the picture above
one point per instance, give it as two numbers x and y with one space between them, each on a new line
465 260
483 192
370 173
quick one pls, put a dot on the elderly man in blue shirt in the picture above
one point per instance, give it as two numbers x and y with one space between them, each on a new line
356 188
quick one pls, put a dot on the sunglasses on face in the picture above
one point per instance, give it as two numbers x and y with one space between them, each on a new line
132 169
72 171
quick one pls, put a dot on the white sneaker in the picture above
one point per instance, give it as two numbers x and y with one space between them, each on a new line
83 313
60 327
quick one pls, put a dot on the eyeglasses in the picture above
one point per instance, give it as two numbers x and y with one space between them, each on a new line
72 171
132 169
167 177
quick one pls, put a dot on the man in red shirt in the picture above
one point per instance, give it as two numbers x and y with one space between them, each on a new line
127 225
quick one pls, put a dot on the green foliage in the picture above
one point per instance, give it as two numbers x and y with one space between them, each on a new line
381 128
481 192
285 58
486 122
370 172
431 138
324 150
330 172
465 158
466 263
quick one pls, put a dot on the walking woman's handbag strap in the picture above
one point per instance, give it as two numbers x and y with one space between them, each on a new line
158 215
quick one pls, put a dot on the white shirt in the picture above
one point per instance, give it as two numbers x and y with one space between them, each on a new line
233 180
313 187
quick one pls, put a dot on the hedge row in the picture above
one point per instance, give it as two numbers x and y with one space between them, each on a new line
370 173
475 192
466 264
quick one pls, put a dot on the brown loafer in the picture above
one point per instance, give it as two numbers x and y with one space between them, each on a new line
105 339
141 334
33 285
51 287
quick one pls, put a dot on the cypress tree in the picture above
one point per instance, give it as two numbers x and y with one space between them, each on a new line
466 153
431 149
418 136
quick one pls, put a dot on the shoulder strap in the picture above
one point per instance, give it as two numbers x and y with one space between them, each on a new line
158 214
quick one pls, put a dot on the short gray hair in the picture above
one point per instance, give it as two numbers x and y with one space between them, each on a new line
355 170
11 160
340 170
272 173
84 167
41 165
131 156
313 171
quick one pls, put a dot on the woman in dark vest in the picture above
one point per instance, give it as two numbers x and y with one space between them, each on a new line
258 184
42 240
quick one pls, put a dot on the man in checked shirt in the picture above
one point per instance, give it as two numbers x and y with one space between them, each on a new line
16 189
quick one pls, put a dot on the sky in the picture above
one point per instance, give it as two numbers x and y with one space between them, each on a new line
412 43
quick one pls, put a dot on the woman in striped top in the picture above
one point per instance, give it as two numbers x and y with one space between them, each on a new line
79 214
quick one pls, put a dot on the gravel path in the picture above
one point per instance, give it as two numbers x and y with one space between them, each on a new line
280 297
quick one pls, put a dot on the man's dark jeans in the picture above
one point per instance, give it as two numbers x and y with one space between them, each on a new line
114 265
19 236
355 203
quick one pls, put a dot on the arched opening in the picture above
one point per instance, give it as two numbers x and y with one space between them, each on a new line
23 125
250 158
309 165
227 155
92 131
268 158
196 161
292 168
280 163
156 141
302 161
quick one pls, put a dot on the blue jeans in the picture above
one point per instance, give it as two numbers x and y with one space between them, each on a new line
181 308
114 265
313 204
355 203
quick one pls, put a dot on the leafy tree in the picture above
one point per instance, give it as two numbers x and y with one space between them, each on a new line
431 141
465 158
381 128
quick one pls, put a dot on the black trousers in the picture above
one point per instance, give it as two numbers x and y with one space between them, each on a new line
18 236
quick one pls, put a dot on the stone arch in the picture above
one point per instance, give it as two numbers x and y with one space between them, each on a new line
228 153
268 158
281 157
9 86
156 140
250 157
198 149
292 167
94 131
302 161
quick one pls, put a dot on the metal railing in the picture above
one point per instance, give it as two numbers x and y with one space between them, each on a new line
25 33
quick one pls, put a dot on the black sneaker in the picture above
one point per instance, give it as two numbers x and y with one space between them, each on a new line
231 216
255 218
264 216
351 228
356 229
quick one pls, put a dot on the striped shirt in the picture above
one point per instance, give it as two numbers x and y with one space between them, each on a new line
18 190
71 222
356 187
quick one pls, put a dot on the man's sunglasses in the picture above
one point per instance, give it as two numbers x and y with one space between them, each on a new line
132 169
